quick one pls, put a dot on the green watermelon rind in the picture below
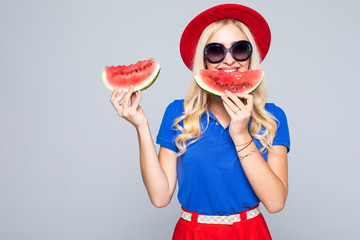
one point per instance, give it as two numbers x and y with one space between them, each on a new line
198 81
148 82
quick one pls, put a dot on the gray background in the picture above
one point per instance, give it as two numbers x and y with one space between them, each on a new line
69 166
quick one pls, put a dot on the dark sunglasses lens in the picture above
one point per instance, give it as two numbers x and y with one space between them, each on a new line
214 53
241 51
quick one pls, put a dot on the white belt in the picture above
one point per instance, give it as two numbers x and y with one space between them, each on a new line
229 220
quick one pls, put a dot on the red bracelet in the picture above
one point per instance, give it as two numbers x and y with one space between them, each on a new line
245 146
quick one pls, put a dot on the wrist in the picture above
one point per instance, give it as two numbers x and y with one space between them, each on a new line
144 125
242 139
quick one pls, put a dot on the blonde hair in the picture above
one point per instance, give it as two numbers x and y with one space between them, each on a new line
197 102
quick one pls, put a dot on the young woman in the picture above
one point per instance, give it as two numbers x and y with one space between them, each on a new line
227 153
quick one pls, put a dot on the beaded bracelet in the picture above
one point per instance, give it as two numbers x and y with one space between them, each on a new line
248 154
245 146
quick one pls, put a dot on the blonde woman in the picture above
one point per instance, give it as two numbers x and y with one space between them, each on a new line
227 154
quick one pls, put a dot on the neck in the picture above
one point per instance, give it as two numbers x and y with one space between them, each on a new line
217 104
218 109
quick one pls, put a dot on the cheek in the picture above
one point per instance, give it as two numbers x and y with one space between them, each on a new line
245 65
211 66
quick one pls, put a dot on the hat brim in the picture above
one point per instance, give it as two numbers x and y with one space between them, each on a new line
251 18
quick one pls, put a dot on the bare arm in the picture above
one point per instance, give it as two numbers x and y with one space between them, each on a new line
158 172
268 179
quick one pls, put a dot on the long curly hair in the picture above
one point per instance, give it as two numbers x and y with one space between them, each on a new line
197 102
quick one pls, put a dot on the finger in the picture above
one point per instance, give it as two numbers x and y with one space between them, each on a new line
113 95
137 99
249 100
230 111
118 99
132 98
127 98
235 99
119 109
229 102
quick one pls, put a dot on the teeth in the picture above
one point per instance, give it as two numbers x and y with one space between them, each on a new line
232 70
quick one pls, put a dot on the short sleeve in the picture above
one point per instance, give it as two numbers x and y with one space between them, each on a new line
167 132
282 136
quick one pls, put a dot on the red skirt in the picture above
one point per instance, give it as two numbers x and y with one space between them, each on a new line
249 229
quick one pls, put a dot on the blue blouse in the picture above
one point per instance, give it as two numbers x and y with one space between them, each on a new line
210 177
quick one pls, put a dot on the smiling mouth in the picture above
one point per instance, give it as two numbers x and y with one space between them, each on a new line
230 70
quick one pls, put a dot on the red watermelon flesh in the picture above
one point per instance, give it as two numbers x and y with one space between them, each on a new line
216 82
141 75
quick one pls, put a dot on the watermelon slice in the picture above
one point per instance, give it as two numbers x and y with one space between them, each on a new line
216 82
141 75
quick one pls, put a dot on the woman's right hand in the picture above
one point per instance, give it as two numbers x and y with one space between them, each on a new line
131 112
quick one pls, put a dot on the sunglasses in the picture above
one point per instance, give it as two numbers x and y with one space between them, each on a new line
216 52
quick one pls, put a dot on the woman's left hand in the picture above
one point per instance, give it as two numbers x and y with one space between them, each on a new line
240 114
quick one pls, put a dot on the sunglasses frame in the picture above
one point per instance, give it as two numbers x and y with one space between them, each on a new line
226 50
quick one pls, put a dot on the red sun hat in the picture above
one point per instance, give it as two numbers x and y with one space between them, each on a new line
252 19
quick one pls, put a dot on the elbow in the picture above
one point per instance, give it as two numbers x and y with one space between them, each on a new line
275 207
160 200
276 204
160 203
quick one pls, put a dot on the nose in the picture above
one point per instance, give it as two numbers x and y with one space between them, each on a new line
229 60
